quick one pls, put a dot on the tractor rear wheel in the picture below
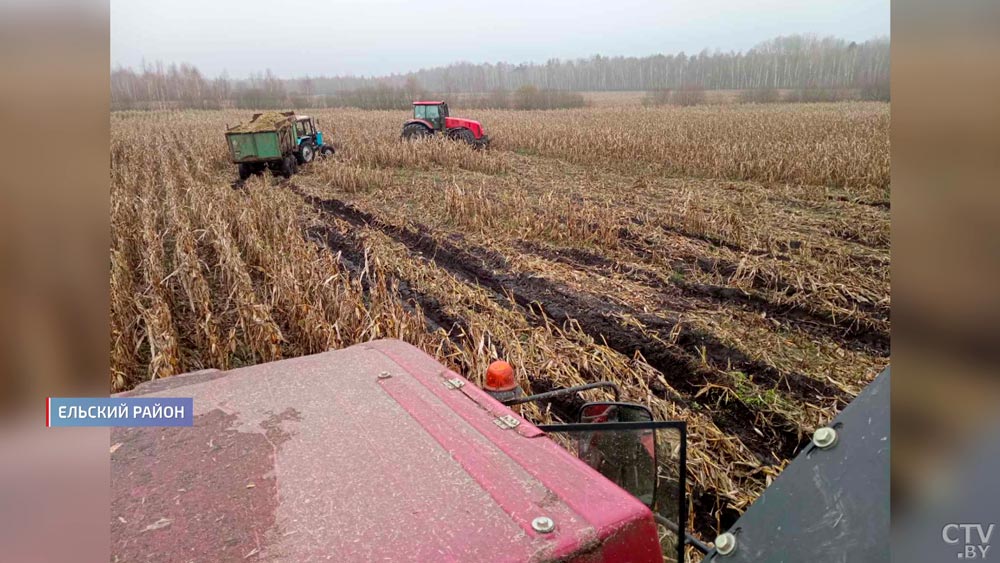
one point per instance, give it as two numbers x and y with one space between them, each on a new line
305 154
415 131
465 136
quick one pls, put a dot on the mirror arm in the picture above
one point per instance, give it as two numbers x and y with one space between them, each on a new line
688 538
550 394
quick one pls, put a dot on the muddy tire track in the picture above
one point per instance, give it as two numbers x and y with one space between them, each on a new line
782 250
352 258
857 337
644 248
779 285
858 200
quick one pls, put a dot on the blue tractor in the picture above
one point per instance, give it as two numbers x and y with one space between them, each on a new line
310 140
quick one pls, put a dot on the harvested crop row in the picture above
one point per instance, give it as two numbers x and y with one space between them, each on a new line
809 294
219 277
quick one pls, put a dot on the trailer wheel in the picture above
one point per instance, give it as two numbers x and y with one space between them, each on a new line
326 151
245 170
305 154
288 166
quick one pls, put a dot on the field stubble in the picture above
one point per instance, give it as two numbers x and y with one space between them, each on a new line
728 266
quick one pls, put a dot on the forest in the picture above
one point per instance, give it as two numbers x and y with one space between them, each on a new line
798 62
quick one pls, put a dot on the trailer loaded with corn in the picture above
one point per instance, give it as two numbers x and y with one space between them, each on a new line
279 141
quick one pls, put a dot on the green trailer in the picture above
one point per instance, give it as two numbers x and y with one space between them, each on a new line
269 140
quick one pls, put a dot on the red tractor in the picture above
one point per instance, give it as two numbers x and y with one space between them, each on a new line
432 117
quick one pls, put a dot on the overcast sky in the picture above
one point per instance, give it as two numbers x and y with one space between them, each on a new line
374 37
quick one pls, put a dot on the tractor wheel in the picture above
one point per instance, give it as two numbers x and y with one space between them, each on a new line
288 166
245 170
415 131
465 136
326 151
305 154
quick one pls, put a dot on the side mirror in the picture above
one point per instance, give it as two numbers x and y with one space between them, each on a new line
625 456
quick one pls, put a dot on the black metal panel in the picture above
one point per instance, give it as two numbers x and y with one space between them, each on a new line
828 504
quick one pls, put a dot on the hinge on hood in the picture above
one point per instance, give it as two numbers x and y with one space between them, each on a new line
506 421
453 383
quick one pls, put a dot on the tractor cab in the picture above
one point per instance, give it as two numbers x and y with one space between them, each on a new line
305 129
434 113
309 140
433 117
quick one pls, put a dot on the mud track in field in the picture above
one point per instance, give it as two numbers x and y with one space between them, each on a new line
782 249
779 438
352 258
879 203
643 248
853 337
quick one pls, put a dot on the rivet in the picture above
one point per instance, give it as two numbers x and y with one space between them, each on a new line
384 375
725 544
543 524
824 437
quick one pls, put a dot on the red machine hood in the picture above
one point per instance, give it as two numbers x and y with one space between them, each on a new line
362 454
474 126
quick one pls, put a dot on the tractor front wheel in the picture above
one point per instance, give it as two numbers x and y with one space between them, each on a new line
305 154
464 135
326 151
415 131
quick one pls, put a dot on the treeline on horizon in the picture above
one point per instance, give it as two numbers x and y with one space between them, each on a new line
802 63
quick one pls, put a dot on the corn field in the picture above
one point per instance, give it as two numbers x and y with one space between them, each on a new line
726 265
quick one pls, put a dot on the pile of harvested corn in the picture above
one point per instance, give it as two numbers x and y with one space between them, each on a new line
267 121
